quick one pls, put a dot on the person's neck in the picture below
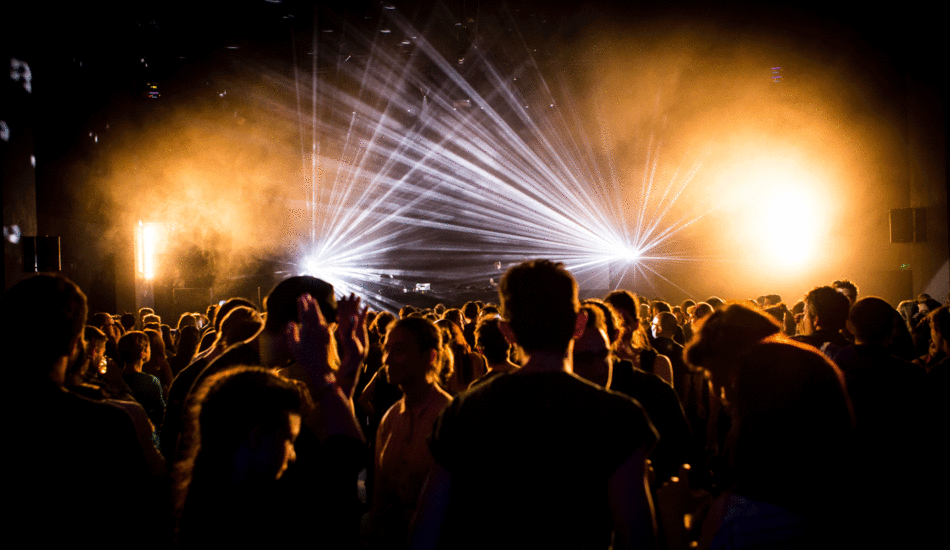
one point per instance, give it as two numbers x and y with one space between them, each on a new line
416 391
136 367
547 361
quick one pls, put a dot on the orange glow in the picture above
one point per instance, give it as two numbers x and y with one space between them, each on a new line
147 240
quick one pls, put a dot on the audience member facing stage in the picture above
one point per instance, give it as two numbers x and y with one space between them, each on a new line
549 457
135 351
594 361
826 311
74 463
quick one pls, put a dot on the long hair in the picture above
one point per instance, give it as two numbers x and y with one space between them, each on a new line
219 416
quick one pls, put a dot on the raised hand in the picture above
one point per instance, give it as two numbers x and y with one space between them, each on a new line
308 342
353 338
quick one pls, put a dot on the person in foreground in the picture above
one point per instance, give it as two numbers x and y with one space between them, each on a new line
539 458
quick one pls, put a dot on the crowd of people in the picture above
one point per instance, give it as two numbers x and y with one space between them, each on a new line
541 421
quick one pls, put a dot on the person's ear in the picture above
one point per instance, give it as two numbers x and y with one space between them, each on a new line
580 324
505 327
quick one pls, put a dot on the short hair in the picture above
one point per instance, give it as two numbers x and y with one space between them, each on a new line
491 340
829 305
127 321
872 320
42 317
539 300
845 285
101 319
667 322
702 310
94 337
131 346
151 318
470 310
281 302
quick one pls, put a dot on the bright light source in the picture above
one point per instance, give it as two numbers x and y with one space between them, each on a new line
148 248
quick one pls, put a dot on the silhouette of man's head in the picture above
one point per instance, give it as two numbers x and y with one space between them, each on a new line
539 302
43 319
281 303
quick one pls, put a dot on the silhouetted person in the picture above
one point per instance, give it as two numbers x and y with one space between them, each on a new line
72 463
534 459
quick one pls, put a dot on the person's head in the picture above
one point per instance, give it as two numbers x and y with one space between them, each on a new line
724 335
143 312
491 341
151 318
222 311
715 302
134 347
105 323
625 304
411 351
239 324
156 343
825 309
43 319
700 311
95 346
664 325
613 322
846 287
940 328
539 303
188 341
452 334
872 321
659 306
380 325
281 302
470 310
187 320
789 405
907 309
454 315
127 321
281 307
242 425
592 357
925 307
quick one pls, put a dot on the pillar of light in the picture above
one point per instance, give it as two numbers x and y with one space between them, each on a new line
148 241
